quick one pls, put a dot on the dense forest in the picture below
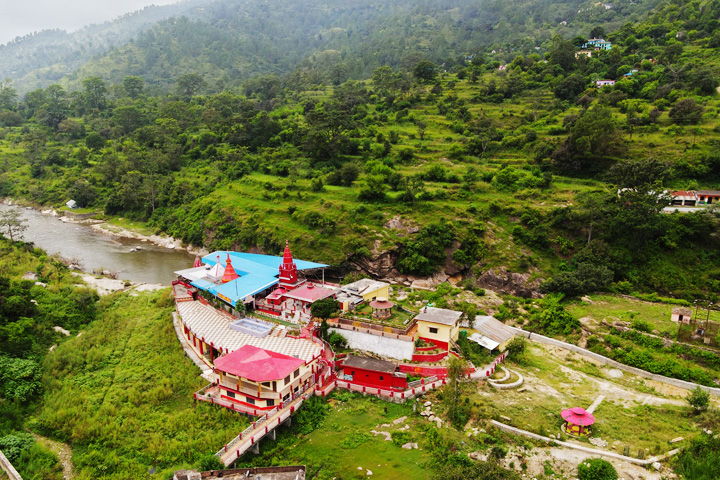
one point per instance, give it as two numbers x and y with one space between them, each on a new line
530 167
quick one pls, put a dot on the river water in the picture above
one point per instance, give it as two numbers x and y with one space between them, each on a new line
96 251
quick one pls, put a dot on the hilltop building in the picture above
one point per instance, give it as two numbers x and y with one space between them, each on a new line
364 290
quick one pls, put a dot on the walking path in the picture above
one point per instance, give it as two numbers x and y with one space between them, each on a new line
62 450
595 404
250 438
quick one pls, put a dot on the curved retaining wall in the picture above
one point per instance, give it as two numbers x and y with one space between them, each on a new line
615 364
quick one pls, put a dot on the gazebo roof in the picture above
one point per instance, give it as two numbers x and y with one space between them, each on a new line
578 416
381 304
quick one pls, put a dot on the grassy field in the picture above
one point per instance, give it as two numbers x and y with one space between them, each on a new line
121 395
633 413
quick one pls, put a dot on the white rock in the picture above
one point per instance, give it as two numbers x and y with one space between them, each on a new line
399 420
369 473
676 440
657 466
428 403
61 330
431 418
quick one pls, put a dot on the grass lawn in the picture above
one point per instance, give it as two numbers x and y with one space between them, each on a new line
344 442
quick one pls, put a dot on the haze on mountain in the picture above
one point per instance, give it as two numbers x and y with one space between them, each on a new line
18 19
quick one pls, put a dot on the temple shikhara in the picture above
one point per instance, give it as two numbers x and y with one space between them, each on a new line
267 284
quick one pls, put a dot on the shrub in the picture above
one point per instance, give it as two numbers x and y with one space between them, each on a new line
699 399
400 438
14 445
596 469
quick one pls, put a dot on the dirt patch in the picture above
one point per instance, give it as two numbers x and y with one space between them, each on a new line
564 461
106 286
64 453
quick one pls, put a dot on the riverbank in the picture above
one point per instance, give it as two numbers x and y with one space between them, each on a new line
107 227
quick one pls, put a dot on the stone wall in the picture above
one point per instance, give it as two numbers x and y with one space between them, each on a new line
385 346
607 361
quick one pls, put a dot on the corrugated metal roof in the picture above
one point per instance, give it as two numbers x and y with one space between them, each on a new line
369 363
492 328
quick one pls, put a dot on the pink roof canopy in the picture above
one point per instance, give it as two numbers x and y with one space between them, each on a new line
381 304
310 293
578 416
257 364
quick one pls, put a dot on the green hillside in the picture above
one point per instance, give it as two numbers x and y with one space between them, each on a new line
413 171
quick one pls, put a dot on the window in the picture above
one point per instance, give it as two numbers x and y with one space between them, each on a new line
296 373
266 384
287 379
230 394
250 400
433 330
381 377
270 402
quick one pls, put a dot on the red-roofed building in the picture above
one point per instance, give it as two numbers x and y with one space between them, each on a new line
261 378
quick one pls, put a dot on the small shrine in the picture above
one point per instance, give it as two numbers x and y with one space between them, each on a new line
577 421
382 307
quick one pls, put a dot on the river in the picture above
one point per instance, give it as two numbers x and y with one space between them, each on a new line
96 251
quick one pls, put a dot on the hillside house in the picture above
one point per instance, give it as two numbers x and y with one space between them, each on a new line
686 198
371 372
604 83
597 44
438 326
261 378
587 53
707 197
681 315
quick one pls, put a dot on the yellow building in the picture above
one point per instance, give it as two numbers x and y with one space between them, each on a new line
438 325
364 290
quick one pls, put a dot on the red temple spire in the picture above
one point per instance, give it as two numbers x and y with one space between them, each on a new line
230 273
197 263
288 269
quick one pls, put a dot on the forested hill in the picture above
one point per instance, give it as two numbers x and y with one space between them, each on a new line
428 170
42 58
230 41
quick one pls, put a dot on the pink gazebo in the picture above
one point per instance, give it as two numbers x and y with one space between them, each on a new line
381 307
577 421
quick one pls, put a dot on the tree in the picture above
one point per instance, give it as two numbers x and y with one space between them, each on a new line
596 469
699 399
425 71
593 137
686 111
455 374
562 52
12 224
597 32
8 95
95 91
133 86
324 308
189 84
570 87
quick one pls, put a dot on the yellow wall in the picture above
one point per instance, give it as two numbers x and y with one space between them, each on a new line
445 333
380 292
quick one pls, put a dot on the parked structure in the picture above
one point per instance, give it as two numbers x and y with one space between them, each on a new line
686 198
438 326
